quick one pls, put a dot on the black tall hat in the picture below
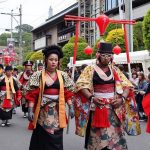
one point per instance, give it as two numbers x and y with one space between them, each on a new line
105 48
53 49
8 68
28 63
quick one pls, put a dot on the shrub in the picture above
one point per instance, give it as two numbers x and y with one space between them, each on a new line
28 55
36 56
146 30
116 36
68 51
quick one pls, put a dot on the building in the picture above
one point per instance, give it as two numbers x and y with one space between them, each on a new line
93 8
55 30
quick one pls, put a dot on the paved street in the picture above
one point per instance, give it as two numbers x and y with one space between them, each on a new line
17 137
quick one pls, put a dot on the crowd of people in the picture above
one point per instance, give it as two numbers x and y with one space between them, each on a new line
101 97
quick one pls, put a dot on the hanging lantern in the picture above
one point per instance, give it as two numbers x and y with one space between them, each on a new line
88 50
117 50
7 59
102 22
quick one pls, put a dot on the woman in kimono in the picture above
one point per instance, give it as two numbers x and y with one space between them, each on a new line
10 95
49 90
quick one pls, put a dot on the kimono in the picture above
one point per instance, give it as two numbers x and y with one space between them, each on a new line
146 107
9 96
104 125
23 79
49 97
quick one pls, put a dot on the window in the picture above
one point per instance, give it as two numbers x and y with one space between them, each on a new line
110 4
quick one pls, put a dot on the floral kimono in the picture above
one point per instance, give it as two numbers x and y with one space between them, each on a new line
49 95
109 134
9 95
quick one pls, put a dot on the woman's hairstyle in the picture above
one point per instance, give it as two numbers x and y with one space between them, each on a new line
134 73
53 49
142 75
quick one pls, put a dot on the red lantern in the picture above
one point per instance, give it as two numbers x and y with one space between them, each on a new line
88 50
117 50
7 59
102 22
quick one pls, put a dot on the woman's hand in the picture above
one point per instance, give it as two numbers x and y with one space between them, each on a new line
97 101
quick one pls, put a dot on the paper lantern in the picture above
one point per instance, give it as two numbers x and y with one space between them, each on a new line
117 50
88 50
102 22
7 59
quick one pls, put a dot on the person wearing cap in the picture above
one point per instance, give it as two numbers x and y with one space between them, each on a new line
49 90
101 104
40 66
9 95
23 79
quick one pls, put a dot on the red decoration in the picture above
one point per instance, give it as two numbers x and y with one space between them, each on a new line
6 104
117 50
88 50
102 22
98 45
7 59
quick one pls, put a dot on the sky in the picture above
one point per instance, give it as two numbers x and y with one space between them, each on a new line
34 12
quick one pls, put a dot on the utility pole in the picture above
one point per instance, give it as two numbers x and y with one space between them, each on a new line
128 16
20 30
20 36
11 24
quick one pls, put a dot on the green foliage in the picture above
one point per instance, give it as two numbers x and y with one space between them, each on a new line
146 30
20 68
138 34
36 56
116 36
28 55
3 39
69 48
80 40
24 28
111 27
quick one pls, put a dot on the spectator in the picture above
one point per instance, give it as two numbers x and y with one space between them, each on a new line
142 87
121 67
134 80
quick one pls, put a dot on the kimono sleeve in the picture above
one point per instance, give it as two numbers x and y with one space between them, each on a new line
33 87
85 80
69 86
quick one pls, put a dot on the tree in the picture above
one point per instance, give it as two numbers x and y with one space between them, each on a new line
24 28
138 34
69 48
28 55
146 30
3 38
116 36
110 28
36 56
